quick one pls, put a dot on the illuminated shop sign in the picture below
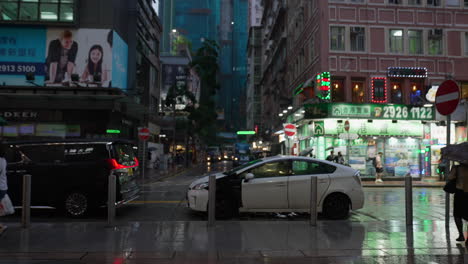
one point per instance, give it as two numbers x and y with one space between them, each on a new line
377 128
323 85
409 72
368 111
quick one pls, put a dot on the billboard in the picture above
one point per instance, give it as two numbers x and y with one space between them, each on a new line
62 57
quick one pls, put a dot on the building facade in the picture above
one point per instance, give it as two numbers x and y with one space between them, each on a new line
81 69
362 76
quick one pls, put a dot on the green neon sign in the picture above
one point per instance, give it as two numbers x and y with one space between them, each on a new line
245 132
113 131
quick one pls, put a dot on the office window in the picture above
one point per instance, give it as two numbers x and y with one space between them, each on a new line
435 41
466 3
337 38
415 42
466 43
358 1
433 2
358 92
37 10
464 90
396 2
395 93
452 3
337 88
396 40
414 2
357 37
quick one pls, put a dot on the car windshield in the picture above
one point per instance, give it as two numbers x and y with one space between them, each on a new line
125 154
245 165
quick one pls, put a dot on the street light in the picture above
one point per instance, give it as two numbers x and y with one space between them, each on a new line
290 107
174 30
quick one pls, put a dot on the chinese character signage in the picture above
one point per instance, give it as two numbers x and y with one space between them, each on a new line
368 111
62 57
376 128
407 72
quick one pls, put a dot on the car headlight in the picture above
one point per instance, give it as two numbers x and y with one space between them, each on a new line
201 186
236 159
225 157
208 158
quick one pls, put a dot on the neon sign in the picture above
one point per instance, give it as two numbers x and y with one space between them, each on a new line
323 85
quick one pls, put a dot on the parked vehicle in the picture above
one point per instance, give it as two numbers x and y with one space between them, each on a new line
241 154
281 184
72 174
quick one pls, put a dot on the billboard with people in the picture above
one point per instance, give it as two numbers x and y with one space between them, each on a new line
62 57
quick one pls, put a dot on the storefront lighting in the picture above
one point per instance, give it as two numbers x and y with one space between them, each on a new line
302 111
260 142
245 132
395 87
374 137
414 88
162 135
407 72
377 84
290 107
174 30
280 114
297 114
285 111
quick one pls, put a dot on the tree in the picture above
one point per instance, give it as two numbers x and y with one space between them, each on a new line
204 117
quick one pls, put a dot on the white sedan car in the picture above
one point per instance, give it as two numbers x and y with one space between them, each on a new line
281 184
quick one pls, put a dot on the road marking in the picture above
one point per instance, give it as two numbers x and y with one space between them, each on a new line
155 202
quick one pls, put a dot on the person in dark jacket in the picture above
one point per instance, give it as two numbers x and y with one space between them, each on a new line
460 199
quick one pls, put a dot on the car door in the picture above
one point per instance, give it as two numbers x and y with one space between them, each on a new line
269 187
299 182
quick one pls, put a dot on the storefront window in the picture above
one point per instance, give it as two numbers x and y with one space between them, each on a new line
464 90
395 92
402 157
358 92
338 94
416 93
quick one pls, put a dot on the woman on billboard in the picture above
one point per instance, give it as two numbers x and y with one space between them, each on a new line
95 71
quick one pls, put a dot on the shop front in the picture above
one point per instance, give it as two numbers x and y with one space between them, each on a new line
360 131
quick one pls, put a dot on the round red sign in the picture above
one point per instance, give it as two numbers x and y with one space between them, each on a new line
447 97
290 130
346 125
144 133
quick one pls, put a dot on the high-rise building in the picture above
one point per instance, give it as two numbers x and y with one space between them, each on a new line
224 21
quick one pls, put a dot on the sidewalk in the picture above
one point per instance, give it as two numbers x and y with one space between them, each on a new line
401 183
246 242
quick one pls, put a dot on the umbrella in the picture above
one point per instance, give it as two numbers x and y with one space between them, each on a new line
330 148
457 152
306 152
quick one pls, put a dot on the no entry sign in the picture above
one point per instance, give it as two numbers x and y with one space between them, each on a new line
144 133
447 97
290 130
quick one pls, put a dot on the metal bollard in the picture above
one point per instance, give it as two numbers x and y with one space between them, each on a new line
111 200
409 199
313 201
26 210
211 200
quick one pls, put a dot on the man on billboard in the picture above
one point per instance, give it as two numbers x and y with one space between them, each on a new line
60 62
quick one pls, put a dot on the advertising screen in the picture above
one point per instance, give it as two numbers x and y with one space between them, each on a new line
63 57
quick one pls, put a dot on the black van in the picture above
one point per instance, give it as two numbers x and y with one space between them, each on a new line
72 174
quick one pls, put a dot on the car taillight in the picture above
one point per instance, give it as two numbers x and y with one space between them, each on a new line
116 166
137 163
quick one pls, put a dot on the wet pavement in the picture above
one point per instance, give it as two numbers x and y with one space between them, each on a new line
233 242
160 229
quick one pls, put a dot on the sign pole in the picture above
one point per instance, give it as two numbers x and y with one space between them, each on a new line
446 173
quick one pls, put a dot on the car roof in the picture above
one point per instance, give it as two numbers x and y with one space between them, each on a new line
68 141
288 157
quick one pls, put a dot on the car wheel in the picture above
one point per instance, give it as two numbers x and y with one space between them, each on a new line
336 206
76 204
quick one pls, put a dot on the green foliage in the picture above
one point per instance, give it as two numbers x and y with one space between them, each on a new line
180 40
205 63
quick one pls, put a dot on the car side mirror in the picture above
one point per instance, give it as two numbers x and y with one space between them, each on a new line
249 176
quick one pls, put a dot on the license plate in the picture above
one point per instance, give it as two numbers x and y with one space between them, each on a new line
130 171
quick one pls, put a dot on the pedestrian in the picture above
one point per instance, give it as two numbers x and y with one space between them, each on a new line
332 156
3 179
339 159
378 168
460 199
